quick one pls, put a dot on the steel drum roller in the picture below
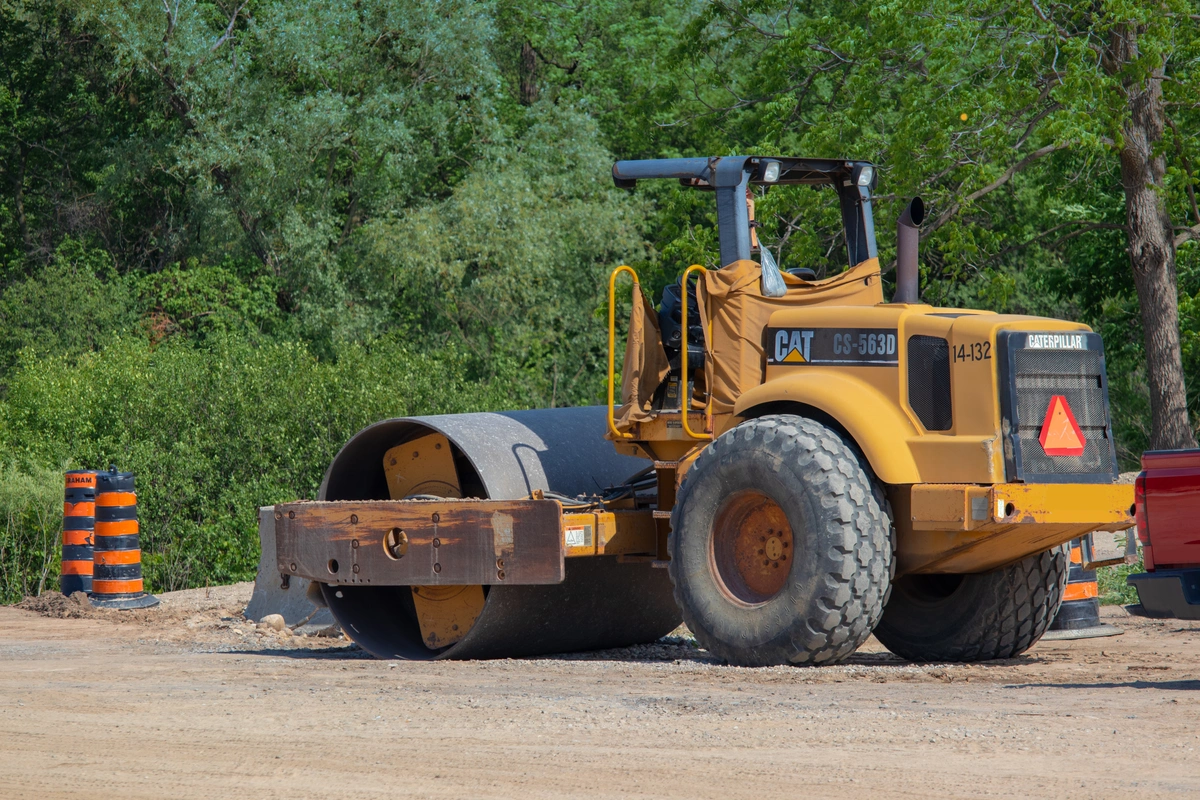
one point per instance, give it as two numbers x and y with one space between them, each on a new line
506 456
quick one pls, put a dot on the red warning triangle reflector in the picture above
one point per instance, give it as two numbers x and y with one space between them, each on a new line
1061 435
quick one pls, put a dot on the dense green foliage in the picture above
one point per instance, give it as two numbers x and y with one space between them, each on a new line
211 433
232 233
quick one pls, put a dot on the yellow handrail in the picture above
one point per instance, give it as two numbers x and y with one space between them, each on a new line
612 344
686 396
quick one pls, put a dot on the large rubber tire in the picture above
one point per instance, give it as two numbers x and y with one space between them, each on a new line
997 614
832 592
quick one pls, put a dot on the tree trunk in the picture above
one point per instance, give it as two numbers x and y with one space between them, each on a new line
1152 245
19 198
529 81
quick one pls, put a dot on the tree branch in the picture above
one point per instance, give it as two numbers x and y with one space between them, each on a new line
1188 235
229 28
955 207
569 70
745 18
1044 18
1187 169
1088 226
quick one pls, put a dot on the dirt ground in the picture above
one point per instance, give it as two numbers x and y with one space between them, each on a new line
190 701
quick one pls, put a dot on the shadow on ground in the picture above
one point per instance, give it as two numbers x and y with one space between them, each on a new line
1182 686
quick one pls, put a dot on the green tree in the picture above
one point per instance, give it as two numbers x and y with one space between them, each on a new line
614 60
513 266
1005 116
52 98
66 307
83 157
30 525
298 123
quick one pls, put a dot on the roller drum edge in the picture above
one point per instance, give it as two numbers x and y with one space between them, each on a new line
511 453
601 604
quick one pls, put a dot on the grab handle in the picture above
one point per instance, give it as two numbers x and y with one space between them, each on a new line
612 344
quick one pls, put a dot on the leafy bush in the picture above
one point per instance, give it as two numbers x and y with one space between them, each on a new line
211 435
68 306
30 521
1113 589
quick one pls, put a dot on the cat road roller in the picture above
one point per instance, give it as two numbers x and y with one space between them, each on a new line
787 463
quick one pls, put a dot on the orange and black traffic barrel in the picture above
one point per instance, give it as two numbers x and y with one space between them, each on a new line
79 519
1079 615
117 572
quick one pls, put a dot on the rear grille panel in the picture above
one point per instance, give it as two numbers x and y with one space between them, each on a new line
929 382
1029 379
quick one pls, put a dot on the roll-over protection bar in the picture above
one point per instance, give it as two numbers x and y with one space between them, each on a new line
730 176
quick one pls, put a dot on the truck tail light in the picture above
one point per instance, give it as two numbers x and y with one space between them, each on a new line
1139 506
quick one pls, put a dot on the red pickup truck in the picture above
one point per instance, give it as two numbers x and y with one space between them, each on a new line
1167 506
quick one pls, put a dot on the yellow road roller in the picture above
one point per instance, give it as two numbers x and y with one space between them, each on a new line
787 463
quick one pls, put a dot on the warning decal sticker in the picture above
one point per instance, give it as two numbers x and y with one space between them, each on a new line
578 536
1061 435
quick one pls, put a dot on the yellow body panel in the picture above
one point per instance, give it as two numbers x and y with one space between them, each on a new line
964 528
446 613
425 466
871 402
609 533
662 438
422 466
936 479
866 410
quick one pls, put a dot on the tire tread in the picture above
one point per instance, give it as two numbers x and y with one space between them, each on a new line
859 557
1026 596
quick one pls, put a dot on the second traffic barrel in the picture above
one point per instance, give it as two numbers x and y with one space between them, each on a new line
117 572
79 517
1079 615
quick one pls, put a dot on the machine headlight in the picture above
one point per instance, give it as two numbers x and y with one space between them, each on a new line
865 175
770 172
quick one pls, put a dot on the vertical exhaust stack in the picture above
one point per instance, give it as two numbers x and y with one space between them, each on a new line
908 238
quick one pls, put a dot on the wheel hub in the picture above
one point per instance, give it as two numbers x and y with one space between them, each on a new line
774 548
751 547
